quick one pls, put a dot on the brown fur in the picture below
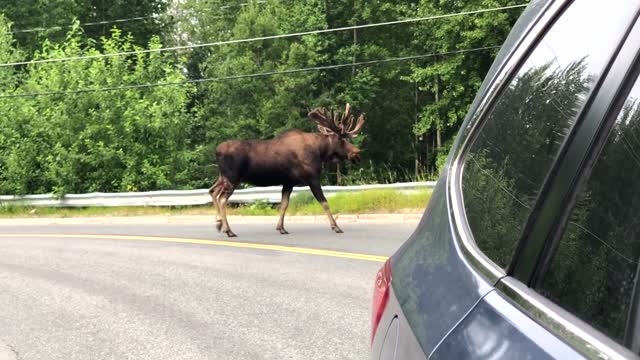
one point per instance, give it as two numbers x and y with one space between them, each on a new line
291 159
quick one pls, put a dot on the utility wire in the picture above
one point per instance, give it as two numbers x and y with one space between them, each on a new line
241 4
116 21
244 76
270 37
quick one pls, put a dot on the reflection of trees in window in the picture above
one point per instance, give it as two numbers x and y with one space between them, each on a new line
514 150
594 269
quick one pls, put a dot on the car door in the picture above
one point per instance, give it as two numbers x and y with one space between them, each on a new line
495 329
518 181
583 282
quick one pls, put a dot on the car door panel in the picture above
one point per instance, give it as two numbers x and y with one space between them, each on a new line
496 329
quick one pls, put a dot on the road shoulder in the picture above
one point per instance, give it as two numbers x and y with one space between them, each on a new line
204 219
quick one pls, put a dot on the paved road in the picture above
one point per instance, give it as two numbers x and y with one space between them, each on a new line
100 293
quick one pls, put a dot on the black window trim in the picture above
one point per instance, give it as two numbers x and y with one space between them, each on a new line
632 330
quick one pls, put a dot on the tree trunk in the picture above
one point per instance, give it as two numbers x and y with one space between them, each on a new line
427 167
433 154
355 41
326 9
438 125
104 26
415 146
353 75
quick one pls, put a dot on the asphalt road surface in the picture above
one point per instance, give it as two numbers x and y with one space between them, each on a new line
185 292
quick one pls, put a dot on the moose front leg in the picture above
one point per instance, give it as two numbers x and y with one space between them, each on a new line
286 193
317 193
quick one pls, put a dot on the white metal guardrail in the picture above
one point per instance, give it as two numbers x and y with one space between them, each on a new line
269 194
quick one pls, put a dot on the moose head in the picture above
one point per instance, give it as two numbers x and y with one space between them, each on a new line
339 128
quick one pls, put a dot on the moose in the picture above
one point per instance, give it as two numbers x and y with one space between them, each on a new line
293 158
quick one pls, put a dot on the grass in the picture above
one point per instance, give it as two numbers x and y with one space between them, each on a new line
364 202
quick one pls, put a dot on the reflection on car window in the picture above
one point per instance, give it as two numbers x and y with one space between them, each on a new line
595 267
508 162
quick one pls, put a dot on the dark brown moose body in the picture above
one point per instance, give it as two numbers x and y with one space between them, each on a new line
293 158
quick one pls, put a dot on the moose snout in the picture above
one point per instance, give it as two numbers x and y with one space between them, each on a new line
354 156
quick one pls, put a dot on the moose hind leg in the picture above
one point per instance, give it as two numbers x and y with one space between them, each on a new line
214 192
319 195
223 198
284 204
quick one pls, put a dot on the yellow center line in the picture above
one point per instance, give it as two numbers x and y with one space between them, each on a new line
281 248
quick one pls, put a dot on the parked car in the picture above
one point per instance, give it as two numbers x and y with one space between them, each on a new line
530 243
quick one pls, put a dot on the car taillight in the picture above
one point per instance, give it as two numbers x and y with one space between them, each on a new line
380 296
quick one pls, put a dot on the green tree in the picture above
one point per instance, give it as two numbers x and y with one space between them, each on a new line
124 140
450 82
90 141
261 107
57 16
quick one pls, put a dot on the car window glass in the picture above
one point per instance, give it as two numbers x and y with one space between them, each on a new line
533 10
595 268
523 132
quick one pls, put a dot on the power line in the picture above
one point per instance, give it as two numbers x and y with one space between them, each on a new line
241 4
115 21
270 37
244 76
40 29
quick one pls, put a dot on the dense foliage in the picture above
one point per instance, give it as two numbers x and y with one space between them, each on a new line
163 137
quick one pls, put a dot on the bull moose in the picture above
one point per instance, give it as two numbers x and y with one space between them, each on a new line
293 158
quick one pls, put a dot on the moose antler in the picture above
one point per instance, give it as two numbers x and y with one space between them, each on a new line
325 121
353 131
334 122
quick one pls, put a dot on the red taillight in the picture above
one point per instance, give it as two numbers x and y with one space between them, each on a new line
380 296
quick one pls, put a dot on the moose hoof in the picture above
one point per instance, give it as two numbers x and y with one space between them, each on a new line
219 225
230 233
337 230
283 231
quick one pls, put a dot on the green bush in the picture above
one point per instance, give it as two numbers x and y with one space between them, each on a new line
301 200
370 201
